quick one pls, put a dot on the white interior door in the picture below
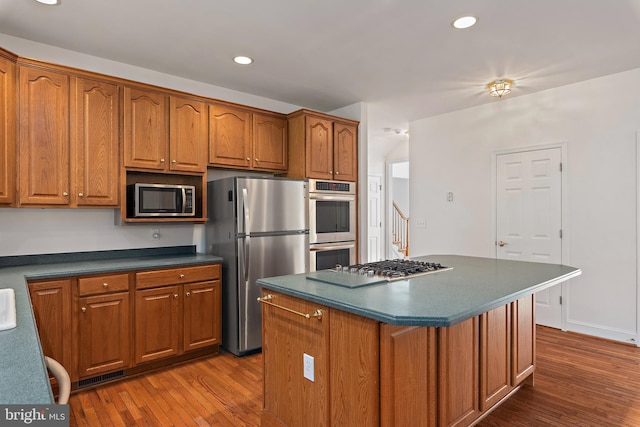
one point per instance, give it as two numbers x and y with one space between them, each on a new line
375 221
529 217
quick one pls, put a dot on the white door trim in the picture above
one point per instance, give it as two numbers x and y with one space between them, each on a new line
381 206
566 235
637 339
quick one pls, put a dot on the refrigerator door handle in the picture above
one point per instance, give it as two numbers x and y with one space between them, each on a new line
247 251
245 210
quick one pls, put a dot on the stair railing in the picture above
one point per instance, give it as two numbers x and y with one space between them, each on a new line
400 230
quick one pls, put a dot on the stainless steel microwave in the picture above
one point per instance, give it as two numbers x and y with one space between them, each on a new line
160 200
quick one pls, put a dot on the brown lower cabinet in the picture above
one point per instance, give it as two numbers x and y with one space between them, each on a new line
367 373
51 301
102 324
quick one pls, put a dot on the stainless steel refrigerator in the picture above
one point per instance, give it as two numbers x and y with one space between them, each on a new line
259 226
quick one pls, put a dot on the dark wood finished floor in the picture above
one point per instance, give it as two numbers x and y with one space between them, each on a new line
580 381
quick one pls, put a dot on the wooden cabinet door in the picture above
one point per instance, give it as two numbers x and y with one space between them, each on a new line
95 142
269 142
44 137
146 136
408 374
187 135
345 160
458 373
202 317
523 340
495 356
157 323
290 398
229 136
104 330
7 130
51 301
319 142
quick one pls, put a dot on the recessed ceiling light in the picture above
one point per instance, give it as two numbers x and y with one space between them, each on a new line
242 60
49 2
465 22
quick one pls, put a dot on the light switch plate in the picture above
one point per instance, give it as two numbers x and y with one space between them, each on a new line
308 367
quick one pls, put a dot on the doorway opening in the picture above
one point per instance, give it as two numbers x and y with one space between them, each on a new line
398 212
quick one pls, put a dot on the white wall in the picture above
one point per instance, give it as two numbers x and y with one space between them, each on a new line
38 231
598 120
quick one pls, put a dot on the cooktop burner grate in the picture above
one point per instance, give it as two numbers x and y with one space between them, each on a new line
396 269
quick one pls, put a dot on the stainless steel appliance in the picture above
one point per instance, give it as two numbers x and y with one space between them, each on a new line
332 211
323 256
393 269
259 226
159 200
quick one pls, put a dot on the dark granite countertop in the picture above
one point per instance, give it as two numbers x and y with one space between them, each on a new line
474 286
23 376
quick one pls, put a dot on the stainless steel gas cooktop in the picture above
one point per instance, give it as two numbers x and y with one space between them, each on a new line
357 275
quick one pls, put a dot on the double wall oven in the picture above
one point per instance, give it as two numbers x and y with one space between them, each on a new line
332 224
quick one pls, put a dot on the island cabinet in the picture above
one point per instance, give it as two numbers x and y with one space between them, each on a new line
7 127
243 139
104 324
68 151
322 146
163 132
319 370
177 310
328 367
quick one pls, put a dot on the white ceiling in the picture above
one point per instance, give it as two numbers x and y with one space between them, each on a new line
402 57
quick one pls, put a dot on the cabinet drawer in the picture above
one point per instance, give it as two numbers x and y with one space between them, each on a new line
172 276
103 284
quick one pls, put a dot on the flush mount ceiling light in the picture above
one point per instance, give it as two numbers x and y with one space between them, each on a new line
464 22
500 87
242 60
49 2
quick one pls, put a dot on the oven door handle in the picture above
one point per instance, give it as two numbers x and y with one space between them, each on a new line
331 248
347 198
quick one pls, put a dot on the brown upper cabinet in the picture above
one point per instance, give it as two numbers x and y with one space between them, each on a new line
242 139
68 147
162 132
7 127
322 146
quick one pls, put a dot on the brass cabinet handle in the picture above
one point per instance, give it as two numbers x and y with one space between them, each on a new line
182 276
248 159
105 285
257 161
330 171
65 194
161 160
175 295
173 161
84 309
188 294
80 195
337 173
267 300
501 243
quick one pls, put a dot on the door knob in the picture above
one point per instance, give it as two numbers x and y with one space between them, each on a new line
501 243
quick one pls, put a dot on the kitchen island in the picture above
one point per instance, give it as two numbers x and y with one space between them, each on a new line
434 350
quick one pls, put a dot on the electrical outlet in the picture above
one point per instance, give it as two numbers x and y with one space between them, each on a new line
308 367
421 223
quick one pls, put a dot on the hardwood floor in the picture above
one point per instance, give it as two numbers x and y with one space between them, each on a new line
580 381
